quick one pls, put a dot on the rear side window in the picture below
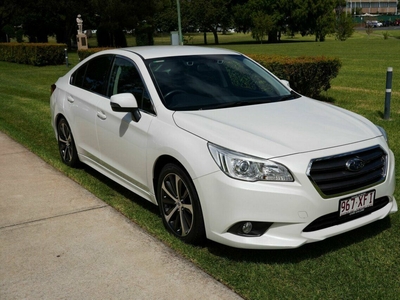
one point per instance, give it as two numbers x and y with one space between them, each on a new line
78 76
93 76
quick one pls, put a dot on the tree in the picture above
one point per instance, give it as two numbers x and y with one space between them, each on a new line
144 19
242 17
38 20
262 25
286 21
42 18
309 17
344 27
113 17
8 12
166 16
212 15
315 17
65 26
254 15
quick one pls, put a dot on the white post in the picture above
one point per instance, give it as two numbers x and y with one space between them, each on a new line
389 76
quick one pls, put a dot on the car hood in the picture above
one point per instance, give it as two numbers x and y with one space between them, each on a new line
278 129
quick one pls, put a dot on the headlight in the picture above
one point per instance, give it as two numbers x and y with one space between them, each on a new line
249 168
383 133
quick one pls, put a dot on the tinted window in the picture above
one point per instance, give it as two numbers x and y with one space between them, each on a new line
93 75
125 78
214 81
78 76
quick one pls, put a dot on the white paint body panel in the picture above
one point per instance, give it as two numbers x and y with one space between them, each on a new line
292 133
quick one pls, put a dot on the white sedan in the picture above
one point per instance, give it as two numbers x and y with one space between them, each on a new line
225 149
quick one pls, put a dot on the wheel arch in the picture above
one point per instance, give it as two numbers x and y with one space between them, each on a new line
159 165
66 145
200 234
57 119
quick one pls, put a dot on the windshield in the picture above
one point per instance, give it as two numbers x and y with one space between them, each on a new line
217 81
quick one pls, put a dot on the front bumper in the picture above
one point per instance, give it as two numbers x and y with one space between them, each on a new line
289 206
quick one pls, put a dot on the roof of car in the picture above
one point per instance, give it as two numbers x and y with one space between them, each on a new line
149 52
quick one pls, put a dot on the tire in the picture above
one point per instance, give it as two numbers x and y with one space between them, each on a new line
179 205
66 144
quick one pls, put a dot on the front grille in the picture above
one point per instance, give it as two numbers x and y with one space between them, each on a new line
333 219
332 175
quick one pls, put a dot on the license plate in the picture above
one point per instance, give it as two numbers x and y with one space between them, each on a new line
356 203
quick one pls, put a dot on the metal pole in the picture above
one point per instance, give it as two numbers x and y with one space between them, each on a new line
178 7
389 76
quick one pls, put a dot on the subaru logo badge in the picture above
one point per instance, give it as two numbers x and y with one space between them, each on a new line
355 164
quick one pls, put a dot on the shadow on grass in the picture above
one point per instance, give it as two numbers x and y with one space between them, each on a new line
308 251
380 114
122 190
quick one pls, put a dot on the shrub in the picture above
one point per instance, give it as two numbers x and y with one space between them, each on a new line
82 54
144 35
386 35
36 54
344 26
307 75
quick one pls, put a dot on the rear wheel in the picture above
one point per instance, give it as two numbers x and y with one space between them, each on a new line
66 144
179 205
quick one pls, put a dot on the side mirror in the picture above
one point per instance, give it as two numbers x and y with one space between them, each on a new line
125 102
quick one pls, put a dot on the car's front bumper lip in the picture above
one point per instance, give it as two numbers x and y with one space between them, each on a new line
287 236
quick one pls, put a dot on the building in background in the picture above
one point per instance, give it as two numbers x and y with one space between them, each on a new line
372 6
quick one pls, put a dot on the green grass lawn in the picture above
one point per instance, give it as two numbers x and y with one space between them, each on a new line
362 264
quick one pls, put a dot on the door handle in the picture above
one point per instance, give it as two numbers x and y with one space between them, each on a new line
70 99
101 115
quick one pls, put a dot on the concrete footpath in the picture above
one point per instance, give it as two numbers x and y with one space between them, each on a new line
58 241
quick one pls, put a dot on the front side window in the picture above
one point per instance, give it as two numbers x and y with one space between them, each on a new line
214 81
125 78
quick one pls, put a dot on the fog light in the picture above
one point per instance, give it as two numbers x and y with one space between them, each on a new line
247 227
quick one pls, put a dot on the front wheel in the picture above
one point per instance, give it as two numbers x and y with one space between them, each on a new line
179 205
66 144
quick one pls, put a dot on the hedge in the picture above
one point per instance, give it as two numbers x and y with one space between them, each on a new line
82 54
307 75
36 54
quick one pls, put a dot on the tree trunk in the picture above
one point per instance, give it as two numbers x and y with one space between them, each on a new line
205 37
215 36
273 36
3 37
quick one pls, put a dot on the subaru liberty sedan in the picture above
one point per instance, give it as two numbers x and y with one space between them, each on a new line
228 151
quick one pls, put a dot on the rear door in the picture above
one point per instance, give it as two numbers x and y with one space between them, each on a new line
88 87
